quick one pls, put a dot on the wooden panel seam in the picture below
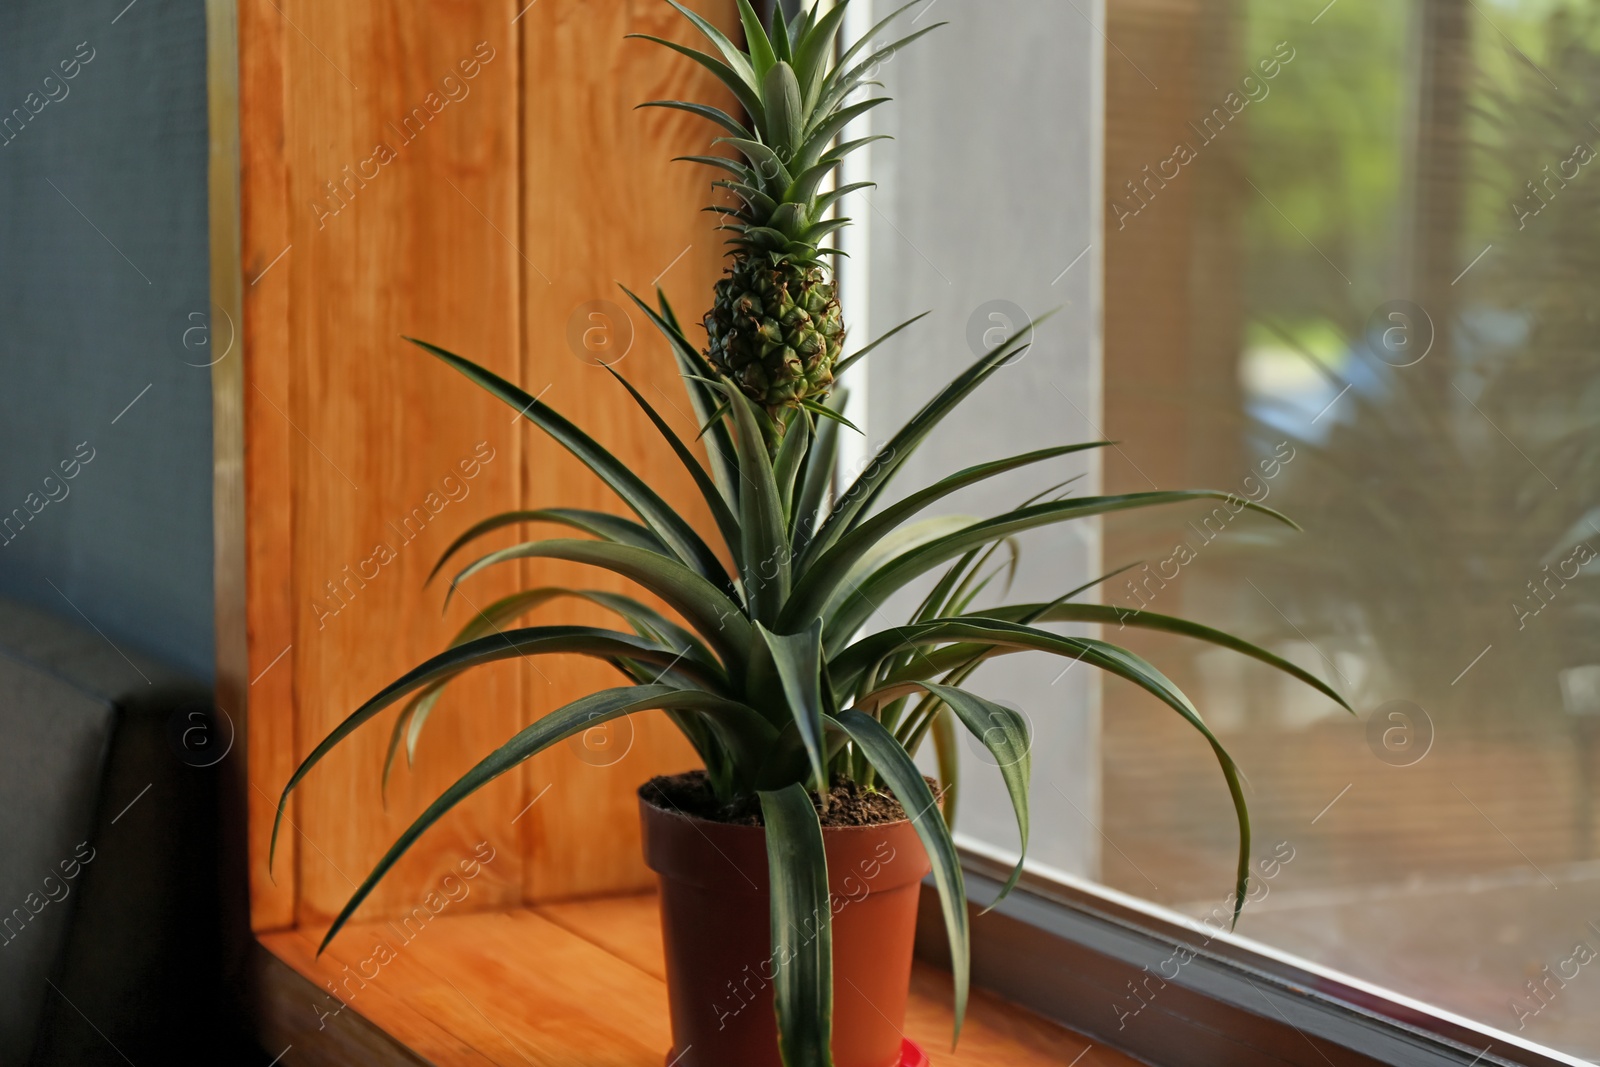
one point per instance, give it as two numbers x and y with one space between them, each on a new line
614 208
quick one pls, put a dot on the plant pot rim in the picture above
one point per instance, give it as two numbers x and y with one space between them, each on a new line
700 851
876 827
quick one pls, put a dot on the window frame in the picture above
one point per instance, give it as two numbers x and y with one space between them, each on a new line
1070 949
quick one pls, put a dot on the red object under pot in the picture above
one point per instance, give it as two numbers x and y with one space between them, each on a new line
720 965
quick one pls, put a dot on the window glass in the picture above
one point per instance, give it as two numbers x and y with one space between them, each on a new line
1348 260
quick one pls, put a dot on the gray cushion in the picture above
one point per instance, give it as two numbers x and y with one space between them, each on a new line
53 743
108 889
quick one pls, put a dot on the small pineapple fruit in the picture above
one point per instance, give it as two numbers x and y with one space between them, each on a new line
776 330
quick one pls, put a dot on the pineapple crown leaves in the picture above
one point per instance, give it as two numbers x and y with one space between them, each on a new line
794 94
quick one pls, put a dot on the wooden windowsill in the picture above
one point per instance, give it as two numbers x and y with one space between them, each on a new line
554 986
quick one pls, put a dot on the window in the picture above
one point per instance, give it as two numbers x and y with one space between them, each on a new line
1344 258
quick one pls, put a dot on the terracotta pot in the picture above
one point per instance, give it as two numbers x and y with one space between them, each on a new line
714 921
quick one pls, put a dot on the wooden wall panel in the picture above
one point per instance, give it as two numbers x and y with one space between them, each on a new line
367 178
378 199
606 205
403 165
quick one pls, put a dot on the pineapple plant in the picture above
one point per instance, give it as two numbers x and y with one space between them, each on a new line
769 666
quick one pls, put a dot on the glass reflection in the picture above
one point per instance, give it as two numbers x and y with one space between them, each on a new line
1372 302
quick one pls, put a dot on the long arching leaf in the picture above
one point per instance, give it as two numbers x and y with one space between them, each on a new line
696 371
906 780
802 927
513 644
1099 654
555 727
602 525
649 623
907 567
667 524
1147 620
893 455
856 357
718 619
1005 734
727 525
821 575
408 724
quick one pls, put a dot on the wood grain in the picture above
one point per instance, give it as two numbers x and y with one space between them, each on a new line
507 988
579 983
399 453
288 1002
606 206
628 927
376 144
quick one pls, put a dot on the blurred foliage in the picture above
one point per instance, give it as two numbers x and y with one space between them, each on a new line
1433 494
1326 149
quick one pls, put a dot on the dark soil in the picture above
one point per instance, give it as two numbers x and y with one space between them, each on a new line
848 803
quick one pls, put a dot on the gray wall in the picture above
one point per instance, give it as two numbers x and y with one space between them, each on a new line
974 206
103 259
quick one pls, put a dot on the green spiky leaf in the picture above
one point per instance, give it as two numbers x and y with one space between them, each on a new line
798 658
802 927
902 775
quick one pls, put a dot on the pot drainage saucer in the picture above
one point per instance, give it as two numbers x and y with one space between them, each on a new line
911 1055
